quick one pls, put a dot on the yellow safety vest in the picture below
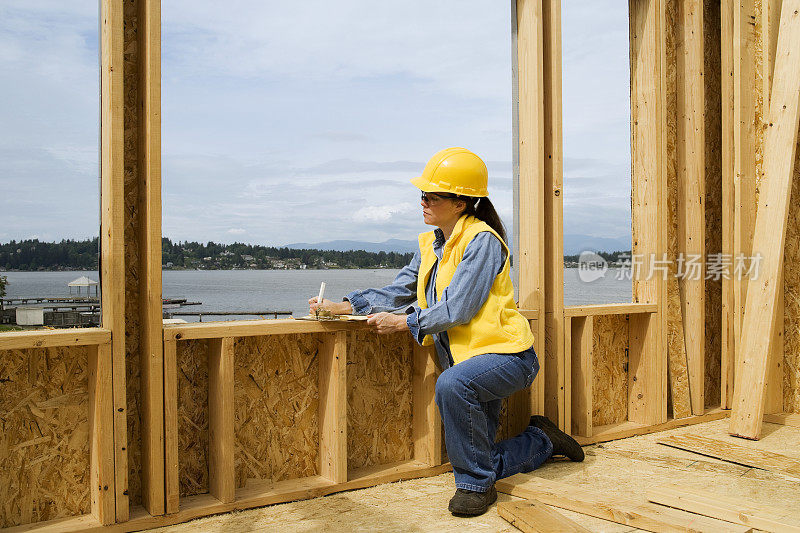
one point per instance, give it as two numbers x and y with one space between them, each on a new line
497 327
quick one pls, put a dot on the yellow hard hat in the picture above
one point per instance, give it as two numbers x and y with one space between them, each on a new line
454 170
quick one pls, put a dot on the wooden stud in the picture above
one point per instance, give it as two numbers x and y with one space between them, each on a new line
333 408
427 425
112 229
101 434
734 453
255 328
221 444
640 326
691 188
610 309
553 205
648 194
773 399
581 344
22 340
528 126
149 245
728 201
744 152
172 485
531 516
737 510
770 234
631 512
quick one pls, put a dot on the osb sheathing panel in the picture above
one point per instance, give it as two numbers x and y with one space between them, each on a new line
610 368
791 299
713 197
378 398
132 303
192 358
276 403
44 435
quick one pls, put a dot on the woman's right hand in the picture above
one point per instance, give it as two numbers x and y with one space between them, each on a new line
337 308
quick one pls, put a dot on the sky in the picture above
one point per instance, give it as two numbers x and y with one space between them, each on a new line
303 122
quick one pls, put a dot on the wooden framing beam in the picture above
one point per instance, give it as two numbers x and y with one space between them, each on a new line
691 189
770 228
426 430
148 31
101 434
610 309
744 152
773 399
333 408
171 468
527 31
221 441
553 204
736 510
21 340
112 230
648 195
580 330
729 314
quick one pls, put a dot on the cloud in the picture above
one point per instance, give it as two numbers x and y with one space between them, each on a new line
286 122
382 213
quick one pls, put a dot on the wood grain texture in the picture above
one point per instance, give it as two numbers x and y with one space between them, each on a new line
112 228
610 369
736 510
276 407
632 512
690 188
332 417
221 473
192 358
743 455
650 92
531 516
770 229
379 404
44 434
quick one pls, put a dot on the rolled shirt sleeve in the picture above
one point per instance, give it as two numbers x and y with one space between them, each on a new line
483 260
395 297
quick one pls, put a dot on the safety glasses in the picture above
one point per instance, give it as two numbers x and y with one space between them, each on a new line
432 198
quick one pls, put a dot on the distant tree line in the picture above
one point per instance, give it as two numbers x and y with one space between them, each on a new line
37 255
29 255
238 255
611 257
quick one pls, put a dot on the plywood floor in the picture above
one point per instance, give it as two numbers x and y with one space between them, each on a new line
624 467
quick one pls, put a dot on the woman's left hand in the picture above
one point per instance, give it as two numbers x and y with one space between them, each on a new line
385 323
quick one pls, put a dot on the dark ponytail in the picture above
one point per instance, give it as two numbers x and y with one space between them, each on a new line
482 209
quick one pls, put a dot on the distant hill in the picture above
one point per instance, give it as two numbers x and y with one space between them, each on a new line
392 245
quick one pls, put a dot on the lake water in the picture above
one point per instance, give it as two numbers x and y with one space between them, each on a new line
286 290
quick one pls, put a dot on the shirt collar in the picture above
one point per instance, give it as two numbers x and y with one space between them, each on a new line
439 240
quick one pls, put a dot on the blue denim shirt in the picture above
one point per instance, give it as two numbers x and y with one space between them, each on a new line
483 260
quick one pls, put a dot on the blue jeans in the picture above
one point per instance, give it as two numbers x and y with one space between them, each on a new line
469 396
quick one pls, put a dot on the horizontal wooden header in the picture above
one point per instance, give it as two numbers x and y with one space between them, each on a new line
255 328
50 338
530 314
610 309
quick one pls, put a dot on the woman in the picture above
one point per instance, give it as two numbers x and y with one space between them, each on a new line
465 307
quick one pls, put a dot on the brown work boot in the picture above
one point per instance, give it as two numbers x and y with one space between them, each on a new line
563 444
471 503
